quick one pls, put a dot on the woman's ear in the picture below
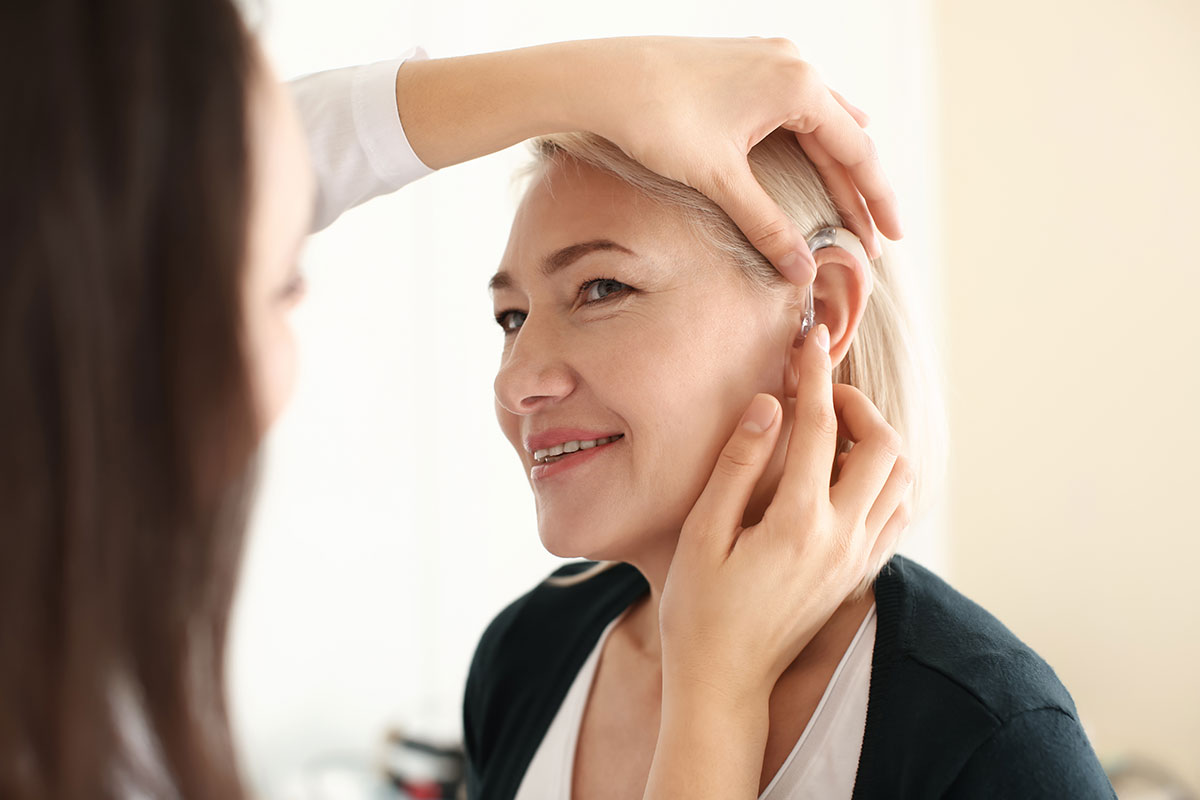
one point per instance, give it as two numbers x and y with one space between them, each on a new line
840 293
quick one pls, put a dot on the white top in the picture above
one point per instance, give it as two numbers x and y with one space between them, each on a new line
822 765
355 138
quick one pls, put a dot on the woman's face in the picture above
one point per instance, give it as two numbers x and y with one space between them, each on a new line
619 323
281 203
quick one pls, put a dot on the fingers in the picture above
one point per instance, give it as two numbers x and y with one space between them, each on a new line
845 194
889 539
898 484
847 143
871 459
771 232
859 115
813 440
716 517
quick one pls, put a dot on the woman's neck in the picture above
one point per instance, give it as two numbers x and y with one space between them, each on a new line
642 632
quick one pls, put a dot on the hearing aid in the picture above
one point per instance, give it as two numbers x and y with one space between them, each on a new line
832 237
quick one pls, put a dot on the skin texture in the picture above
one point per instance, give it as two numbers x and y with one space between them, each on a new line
282 197
670 362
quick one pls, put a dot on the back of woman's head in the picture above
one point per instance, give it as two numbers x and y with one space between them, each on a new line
125 413
888 358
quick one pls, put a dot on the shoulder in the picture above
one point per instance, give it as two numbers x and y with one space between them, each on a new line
1039 753
946 633
959 703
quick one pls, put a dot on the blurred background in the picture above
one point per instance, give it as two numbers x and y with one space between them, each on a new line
1044 156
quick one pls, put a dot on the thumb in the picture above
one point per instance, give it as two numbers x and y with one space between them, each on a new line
717 515
772 233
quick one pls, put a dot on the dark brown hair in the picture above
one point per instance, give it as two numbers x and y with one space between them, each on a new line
126 418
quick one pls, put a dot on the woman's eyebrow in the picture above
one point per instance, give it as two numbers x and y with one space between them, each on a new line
561 259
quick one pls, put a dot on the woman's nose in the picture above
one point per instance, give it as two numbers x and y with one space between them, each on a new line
533 373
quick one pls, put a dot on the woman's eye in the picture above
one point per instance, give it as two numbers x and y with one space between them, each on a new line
510 321
602 289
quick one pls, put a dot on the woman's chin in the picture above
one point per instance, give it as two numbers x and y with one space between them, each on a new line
574 541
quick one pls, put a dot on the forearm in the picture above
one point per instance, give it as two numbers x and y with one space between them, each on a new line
709 746
457 109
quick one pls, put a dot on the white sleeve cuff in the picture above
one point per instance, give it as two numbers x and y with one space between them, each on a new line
356 142
377 121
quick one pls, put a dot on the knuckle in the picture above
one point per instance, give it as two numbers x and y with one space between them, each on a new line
849 396
717 181
872 149
824 421
786 46
735 461
904 471
803 72
768 235
891 445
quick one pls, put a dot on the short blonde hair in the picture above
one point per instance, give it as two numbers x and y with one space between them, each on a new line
889 358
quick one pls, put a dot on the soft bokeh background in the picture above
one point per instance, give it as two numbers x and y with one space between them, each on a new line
1070 173
1044 157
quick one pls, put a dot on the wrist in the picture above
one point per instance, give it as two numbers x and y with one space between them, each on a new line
708 746
595 82
457 109
698 701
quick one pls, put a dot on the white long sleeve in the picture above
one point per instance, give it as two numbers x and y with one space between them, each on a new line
355 138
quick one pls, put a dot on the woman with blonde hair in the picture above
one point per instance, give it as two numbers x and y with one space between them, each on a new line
158 185
638 322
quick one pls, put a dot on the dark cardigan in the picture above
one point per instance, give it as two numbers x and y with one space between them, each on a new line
958 706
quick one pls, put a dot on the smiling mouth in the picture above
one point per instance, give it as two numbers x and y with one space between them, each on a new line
560 451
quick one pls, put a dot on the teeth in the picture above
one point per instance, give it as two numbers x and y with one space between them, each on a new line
571 447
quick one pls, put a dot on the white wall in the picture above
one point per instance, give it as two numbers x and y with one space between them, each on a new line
1072 276
394 520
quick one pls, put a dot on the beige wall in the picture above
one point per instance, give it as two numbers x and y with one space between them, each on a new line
1069 133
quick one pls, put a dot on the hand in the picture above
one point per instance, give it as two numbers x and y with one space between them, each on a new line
740 604
691 109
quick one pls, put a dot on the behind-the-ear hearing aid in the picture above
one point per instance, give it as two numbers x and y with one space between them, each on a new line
833 237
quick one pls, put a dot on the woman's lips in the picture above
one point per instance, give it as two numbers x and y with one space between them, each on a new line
553 437
567 461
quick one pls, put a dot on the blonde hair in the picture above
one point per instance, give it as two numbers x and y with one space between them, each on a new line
889 357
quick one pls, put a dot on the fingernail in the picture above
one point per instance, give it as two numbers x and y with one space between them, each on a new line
823 338
761 414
